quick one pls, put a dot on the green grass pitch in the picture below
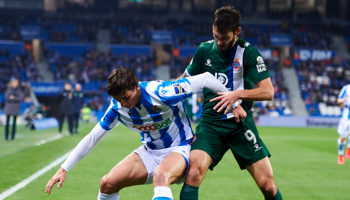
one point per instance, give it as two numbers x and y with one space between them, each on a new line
304 161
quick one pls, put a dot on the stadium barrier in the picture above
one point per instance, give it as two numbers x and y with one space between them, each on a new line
293 121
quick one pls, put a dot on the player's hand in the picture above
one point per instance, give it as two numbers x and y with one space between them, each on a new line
59 177
226 100
239 113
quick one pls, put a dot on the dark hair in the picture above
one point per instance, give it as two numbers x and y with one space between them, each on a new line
226 19
119 80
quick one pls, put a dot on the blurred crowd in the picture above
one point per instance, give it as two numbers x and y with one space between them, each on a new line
320 81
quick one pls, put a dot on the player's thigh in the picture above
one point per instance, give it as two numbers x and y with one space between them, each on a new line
129 171
174 165
246 144
261 171
209 140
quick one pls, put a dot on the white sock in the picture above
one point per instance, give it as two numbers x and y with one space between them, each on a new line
341 146
102 196
162 191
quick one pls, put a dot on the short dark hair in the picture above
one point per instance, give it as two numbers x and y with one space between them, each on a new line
227 19
120 80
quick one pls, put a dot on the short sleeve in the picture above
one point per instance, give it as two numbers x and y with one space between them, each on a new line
194 67
255 65
171 93
110 118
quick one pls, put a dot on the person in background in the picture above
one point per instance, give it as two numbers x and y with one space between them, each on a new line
13 97
344 124
66 108
86 114
78 102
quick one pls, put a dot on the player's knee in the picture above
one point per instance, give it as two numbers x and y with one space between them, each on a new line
107 186
195 175
161 177
268 188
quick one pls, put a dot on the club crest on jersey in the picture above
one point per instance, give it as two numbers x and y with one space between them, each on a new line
236 64
178 89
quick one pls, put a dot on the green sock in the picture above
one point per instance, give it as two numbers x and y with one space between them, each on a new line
189 192
278 196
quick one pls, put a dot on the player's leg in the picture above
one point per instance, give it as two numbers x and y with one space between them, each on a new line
207 151
252 154
342 130
199 164
347 152
171 170
262 173
130 171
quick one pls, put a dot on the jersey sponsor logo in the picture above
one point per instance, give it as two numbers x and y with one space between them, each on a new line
236 64
246 44
154 126
178 89
208 63
222 78
260 65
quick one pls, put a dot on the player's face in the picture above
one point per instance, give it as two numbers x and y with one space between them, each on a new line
224 41
130 98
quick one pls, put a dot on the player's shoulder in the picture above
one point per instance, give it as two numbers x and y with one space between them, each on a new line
207 44
347 87
245 44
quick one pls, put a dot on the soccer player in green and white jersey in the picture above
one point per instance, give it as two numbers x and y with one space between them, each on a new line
240 67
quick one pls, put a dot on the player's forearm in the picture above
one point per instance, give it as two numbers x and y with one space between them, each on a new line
206 80
84 147
263 92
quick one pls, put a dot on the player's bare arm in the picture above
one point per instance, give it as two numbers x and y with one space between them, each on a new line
59 177
341 102
262 91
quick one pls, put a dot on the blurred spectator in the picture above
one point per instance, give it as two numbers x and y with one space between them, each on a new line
86 114
66 108
32 113
13 97
78 102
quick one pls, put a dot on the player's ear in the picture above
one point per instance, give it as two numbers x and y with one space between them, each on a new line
137 87
238 31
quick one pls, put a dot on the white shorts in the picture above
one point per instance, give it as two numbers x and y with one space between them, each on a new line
152 158
344 128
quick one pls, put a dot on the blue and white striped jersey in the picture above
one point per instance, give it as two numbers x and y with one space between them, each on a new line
160 118
345 94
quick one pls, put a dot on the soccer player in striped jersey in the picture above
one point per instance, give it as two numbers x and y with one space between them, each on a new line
241 68
155 110
344 124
